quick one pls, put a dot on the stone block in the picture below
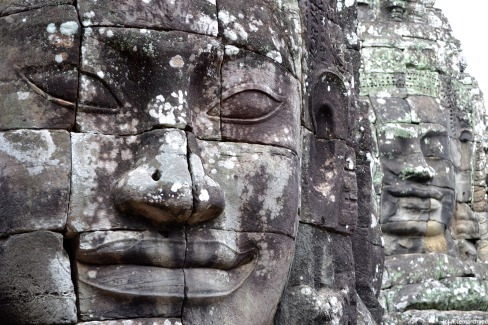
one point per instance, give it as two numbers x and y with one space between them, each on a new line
129 291
133 182
391 109
199 17
465 224
136 321
426 109
329 186
268 28
463 186
223 294
313 295
260 101
9 7
35 280
34 180
38 72
260 185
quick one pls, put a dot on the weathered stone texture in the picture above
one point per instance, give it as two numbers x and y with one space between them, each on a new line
195 155
34 180
38 70
428 126
35 280
199 17
138 321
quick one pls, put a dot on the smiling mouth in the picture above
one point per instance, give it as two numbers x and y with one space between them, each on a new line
149 265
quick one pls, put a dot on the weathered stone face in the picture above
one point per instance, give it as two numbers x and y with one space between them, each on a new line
429 126
169 142
169 222
424 122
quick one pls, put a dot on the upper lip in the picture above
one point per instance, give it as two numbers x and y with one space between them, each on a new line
153 249
414 191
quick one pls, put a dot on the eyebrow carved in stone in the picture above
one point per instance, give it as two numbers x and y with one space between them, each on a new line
41 92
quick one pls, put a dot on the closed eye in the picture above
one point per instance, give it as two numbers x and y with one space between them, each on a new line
249 104
96 95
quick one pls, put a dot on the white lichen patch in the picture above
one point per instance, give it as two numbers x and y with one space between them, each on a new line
59 57
204 196
69 28
170 110
177 62
206 25
176 186
275 55
23 95
51 28
231 50
34 159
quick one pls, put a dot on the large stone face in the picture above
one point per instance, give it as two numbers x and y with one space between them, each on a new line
179 146
429 124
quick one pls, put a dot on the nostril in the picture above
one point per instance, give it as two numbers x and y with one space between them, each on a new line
156 175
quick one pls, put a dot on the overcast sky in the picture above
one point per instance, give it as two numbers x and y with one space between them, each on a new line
469 23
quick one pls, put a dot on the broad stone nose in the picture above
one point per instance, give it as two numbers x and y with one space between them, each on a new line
169 188
419 172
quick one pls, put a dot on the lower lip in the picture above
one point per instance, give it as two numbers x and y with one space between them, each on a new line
420 204
163 284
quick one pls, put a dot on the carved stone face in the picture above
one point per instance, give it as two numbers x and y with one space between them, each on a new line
424 139
418 197
180 169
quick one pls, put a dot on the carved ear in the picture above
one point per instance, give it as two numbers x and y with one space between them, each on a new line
329 107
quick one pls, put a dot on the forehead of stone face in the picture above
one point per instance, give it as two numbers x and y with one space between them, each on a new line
426 109
199 16
38 75
269 27
391 109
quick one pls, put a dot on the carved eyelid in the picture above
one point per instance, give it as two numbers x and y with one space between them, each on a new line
252 87
117 95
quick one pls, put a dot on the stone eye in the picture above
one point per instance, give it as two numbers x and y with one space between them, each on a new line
96 96
249 105
55 85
